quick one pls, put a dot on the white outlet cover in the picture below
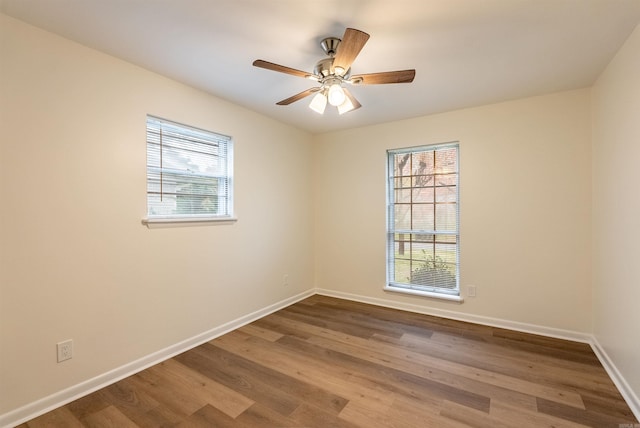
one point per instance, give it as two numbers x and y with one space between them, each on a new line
65 350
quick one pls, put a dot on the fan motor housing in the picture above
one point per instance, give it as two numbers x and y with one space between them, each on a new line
324 68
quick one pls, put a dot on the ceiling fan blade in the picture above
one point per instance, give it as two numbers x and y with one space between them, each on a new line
352 43
298 97
282 69
402 76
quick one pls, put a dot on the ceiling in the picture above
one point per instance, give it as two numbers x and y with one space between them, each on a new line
465 52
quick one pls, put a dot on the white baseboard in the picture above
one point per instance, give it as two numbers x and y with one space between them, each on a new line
625 390
460 316
621 383
53 401
63 397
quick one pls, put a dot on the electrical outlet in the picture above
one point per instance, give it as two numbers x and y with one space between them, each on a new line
65 350
285 280
471 291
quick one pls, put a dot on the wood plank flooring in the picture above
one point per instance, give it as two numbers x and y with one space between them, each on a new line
325 362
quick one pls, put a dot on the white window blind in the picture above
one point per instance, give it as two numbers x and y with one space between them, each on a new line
189 172
422 212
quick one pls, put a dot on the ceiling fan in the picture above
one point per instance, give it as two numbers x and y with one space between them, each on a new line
332 72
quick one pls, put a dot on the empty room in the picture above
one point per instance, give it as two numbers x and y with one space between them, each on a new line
301 213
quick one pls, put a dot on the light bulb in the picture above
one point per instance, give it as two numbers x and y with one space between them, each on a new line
318 103
336 95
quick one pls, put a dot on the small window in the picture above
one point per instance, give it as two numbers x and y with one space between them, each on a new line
189 173
422 213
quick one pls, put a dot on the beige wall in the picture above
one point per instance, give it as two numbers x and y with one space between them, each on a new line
75 260
525 208
616 211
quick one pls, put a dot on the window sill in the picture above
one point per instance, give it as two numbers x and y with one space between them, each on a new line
186 221
430 294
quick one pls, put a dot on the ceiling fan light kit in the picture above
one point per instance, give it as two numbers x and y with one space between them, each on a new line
318 103
347 105
334 71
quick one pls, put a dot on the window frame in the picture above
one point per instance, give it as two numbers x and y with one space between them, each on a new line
391 230
190 218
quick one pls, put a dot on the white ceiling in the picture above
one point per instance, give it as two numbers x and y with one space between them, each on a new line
465 52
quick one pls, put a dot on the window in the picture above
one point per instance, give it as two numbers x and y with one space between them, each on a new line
422 213
189 173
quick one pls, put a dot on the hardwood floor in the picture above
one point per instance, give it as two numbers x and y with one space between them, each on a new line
325 362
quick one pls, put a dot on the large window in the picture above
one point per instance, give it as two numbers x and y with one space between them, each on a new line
189 173
422 213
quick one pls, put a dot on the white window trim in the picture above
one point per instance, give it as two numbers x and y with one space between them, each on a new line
389 285
423 293
153 222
